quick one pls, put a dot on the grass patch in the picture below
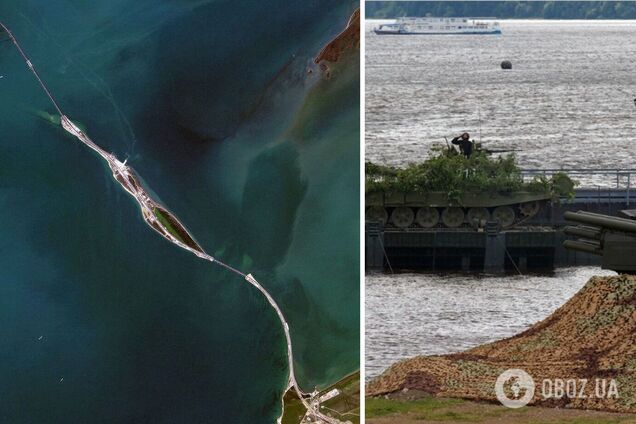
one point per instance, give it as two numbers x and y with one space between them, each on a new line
450 416
445 410
166 223
174 227
592 420
379 407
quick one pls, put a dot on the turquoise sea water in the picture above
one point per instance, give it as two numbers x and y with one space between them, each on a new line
102 320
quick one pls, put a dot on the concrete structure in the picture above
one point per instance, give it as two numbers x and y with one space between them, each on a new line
535 246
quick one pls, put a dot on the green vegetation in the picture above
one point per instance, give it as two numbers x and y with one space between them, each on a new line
379 407
167 224
451 173
177 231
447 410
505 10
175 228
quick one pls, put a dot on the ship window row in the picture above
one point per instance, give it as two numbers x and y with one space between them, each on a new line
449 27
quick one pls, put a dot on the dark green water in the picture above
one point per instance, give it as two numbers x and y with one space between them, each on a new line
102 320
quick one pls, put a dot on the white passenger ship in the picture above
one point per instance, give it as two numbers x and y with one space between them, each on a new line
432 26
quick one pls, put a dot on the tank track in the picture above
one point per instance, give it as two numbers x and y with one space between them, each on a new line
429 218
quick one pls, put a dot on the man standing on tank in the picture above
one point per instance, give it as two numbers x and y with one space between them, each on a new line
464 143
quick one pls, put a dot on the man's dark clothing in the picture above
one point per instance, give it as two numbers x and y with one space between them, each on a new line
465 145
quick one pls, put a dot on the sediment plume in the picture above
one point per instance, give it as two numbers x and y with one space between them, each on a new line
592 336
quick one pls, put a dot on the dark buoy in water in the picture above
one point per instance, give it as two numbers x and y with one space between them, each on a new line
506 64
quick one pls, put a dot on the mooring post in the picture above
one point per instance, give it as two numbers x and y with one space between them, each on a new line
495 254
374 251
465 263
523 264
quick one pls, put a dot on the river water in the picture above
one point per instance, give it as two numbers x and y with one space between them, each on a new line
567 102
429 314
101 319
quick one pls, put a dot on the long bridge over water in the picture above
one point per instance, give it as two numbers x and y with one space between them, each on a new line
177 234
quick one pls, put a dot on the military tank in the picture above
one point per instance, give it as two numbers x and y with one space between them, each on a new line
450 191
433 209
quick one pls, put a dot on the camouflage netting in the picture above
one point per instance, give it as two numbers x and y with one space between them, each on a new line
592 336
